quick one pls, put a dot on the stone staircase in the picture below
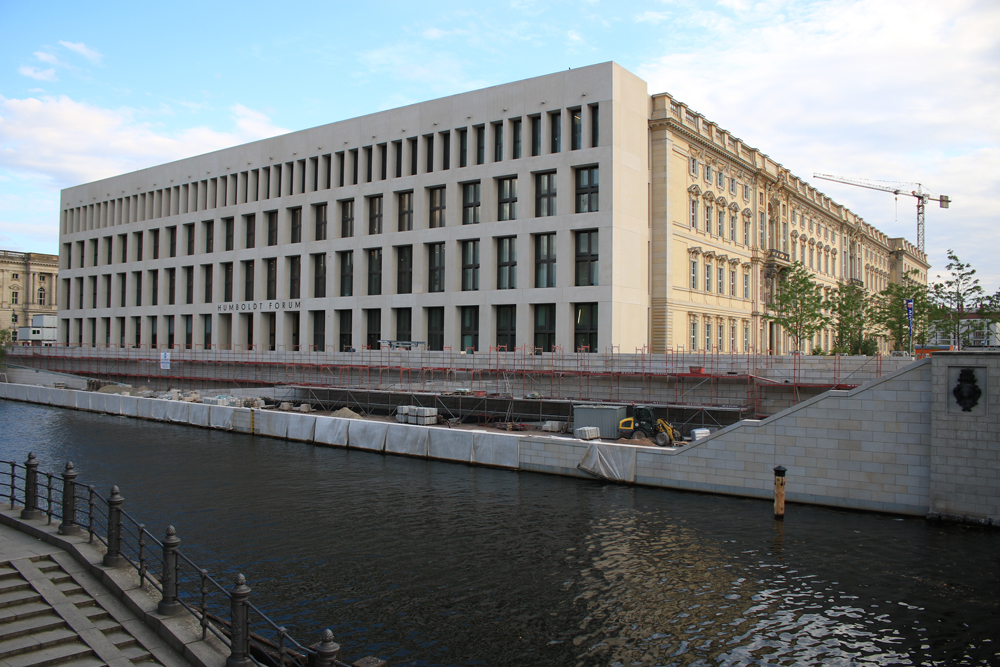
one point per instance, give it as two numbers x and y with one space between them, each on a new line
53 612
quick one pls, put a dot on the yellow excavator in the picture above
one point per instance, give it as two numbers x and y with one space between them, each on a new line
642 425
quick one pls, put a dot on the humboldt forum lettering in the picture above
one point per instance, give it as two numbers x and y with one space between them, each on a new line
245 306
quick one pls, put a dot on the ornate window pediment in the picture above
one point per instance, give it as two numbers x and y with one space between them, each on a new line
747 212
723 258
734 207
721 201
695 250
709 195
695 190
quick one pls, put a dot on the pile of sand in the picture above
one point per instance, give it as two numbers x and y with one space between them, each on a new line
346 413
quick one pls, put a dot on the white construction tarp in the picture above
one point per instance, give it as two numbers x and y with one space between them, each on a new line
331 431
158 409
496 450
450 444
45 395
405 439
63 398
274 424
130 406
301 427
178 411
220 417
198 414
32 394
97 402
5 389
113 404
613 462
20 392
144 408
367 435
81 400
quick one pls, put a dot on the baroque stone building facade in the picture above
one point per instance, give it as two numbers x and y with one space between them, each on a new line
571 211
28 283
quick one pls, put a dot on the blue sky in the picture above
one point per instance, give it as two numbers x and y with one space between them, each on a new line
901 90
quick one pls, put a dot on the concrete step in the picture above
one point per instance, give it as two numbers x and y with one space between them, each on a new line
15 598
70 587
7 572
79 597
11 585
105 624
72 653
36 642
18 612
30 625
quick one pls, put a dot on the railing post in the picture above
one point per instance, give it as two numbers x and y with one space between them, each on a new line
30 510
239 653
114 556
68 525
327 651
169 605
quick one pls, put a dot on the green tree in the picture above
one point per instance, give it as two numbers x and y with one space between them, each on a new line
797 305
853 319
890 312
6 340
958 297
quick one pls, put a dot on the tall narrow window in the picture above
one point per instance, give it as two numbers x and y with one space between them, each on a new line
227 282
156 241
586 189
480 145
470 203
346 324
470 265
319 275
463 148
248 280
374 271
294 277
545 194
251 230
545 327
595 126
446 150
536 135
405 211
295 225
397 151
497 142
373 320
585 327
319 330
346 273
515 139
576 129
272 228
436 217
271 266
708 276
720 282
209 296
230 225
375 215
470 328
694 274
545 260
347 218
507 200
694 214
507 262
404 269
586 258
404 323
209 239
189 285
429 152
507 328
172 241
721 222
435 264
320 234
435 328
555 135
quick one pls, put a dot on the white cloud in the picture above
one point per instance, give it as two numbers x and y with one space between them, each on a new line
41 75
846 87
573 37
434 71
49 58
85 51
434 33
653 17
66 142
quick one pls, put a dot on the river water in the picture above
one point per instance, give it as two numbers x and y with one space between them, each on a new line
432 563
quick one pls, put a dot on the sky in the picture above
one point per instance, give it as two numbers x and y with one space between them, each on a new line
900 91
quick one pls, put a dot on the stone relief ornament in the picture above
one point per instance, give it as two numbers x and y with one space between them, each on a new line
967 392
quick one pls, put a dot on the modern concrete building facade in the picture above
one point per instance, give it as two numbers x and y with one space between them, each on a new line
571 211
28 283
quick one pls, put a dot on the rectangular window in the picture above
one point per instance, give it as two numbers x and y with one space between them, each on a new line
746 285
586 189
156 242
507 199
746 192
721 222
507 262
319 275
536 135
732 283
373 334
346 273
374 271
397 151
320 210
708 277
708 336
595 126
271 267
404 323
708 218
347 218
294 277
515 131
412 144
732 191
470 203
209 238
576 129
555 125
436 217
463 148
375 215
405 211
122 301
708 173
295 225
346 324
230 225
435 329
251 230
209 297
446 150
497 142
470 328
480 145
227 282
746 232
694 274
545 327
188 330
694 335
545 194
545 260
732 228
404 269
247 280
319 330
506 328
171 242
470 266
586 258
720 282
138 245
693 166
720 181
694 214
272 228
585 327
429 152
435 264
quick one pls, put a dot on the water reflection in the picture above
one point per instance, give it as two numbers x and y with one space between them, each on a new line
428 563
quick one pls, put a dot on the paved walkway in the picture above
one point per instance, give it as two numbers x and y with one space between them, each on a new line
53 611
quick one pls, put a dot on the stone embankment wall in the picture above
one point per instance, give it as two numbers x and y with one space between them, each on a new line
898 444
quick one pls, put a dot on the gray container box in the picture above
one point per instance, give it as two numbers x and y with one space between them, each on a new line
604 417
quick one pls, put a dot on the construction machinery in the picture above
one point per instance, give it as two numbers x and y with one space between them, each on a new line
642 425
922 197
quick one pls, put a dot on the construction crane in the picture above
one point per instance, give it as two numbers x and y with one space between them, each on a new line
921 196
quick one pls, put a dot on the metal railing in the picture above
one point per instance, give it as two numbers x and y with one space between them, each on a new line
185 587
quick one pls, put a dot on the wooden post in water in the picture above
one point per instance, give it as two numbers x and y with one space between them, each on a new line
779 492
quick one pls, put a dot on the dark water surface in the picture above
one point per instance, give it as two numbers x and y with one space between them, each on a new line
431 563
